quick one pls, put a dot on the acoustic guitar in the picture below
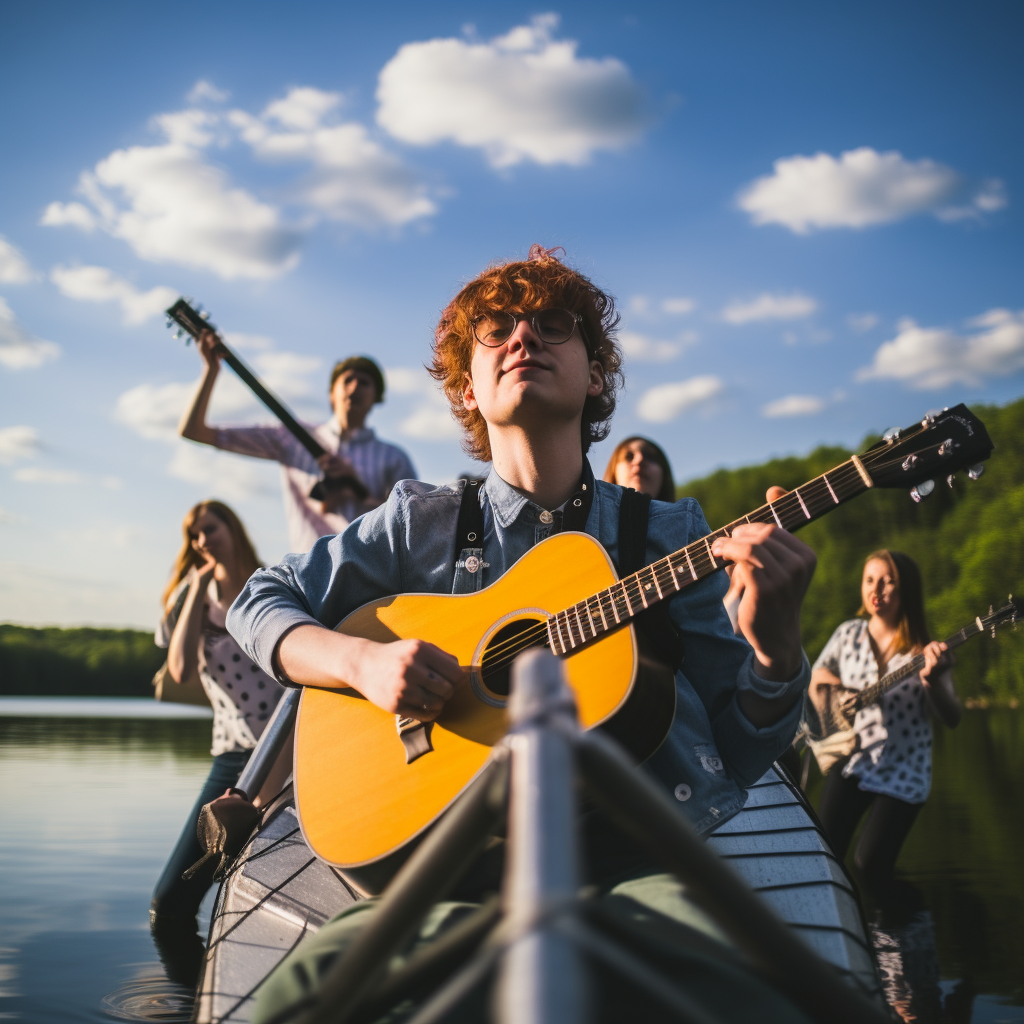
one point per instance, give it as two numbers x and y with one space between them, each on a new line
826 728
190 322
363 793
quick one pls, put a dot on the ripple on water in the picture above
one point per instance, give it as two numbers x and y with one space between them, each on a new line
150 995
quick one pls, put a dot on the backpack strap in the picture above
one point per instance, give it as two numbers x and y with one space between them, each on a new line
654 625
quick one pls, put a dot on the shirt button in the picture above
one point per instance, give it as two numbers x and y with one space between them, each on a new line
682 792
546 517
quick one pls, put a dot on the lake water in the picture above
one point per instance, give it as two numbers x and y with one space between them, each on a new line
93 794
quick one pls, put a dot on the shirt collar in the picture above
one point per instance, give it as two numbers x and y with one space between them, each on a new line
507 503
360 434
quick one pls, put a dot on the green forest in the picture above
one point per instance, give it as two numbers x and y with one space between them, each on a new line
968 541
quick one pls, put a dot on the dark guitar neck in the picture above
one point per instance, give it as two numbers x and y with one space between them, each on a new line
297 430
870 694
614 607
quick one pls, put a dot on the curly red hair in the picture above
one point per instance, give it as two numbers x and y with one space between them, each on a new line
540 282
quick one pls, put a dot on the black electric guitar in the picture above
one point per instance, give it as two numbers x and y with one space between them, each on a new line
331 490
834 719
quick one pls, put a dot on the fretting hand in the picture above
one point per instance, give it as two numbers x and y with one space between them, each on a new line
770 577
935 657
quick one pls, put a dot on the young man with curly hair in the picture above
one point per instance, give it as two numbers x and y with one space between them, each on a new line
527 357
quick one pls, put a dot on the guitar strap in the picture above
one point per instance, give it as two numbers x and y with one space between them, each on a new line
654 626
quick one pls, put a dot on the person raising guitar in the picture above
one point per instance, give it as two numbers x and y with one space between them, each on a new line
527 356
886 774
353 452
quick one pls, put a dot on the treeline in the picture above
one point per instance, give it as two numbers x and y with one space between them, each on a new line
969 542
77 662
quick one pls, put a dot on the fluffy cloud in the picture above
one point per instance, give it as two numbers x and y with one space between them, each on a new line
861 322
430 418
861 188
353 178
19 350
234 477
18 443
793 405
172 206
63 477
665 402
14 268
770 307
98 284
678 307
935 357
521 96
645 349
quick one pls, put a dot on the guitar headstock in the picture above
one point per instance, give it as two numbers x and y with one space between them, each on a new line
191 320
1005 616
939 446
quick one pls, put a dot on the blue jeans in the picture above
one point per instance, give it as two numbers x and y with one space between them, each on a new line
174 898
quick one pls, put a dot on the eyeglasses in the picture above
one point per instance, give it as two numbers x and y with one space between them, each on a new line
552 326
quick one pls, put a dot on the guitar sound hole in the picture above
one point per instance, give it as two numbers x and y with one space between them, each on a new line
502 649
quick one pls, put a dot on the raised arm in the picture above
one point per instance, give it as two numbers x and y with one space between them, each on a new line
193 425
183 650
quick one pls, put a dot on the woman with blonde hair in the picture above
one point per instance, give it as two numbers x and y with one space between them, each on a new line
887 777
214 563
639 463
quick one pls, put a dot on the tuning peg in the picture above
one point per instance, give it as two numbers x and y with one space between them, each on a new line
949 480
892 434
179 334
909 461
922 490
205 314
976 470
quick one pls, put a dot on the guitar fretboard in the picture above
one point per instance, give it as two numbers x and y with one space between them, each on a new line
623 600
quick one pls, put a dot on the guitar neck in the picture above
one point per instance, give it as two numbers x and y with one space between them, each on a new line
297 430
612 608
869 695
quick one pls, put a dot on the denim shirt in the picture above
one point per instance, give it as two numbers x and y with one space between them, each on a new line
712 751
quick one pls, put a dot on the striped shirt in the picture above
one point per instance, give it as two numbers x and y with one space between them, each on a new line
378 464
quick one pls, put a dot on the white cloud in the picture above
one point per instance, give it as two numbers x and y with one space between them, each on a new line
18 443
98 284
19 350
353 178
645 349
861 322
172 206
770 307
234 477
207 91
934 357
793 405
678 307
431 418
63 477
14 268
521 96
665 402
861 188
287 373
70 215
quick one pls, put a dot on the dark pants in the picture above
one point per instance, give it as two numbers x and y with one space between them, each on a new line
173 898
888 822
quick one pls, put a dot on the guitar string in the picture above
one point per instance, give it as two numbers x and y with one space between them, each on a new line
663 571
505 652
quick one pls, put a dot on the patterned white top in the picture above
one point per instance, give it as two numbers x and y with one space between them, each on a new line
242 695
378 464
894 755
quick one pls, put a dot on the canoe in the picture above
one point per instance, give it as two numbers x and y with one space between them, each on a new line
278 892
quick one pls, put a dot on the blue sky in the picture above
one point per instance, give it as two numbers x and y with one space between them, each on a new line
808 213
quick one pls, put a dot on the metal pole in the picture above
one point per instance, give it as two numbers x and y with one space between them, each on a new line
644 812
423 880
542 975
274 737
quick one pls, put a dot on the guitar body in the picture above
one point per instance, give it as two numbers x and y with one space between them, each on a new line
358 797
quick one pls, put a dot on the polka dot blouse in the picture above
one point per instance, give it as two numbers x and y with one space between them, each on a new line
894 755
